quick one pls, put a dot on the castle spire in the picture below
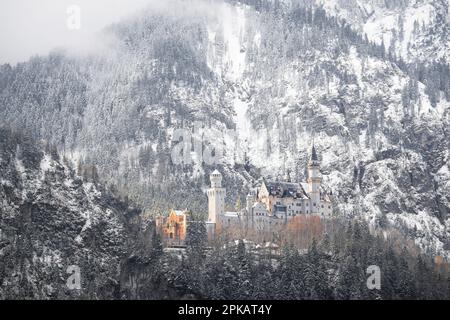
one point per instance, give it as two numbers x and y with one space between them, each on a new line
314 156
314 159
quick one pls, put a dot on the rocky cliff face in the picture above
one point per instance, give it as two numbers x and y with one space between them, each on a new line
263 78
54 225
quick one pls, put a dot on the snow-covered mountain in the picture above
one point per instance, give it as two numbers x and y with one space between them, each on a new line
281 73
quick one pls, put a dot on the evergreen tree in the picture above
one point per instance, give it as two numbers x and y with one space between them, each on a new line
157 246
316 276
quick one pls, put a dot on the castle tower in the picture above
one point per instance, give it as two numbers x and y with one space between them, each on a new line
249 201
216 203
314 180
287 176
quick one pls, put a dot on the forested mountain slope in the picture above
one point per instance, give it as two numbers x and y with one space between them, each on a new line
280 74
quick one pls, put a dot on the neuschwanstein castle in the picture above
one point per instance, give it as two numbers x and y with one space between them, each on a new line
269 206
272 204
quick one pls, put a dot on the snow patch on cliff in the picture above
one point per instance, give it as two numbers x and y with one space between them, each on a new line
227 45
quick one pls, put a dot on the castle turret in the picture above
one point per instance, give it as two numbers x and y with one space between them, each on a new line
250 200
216 202
216 179
314 180
287 176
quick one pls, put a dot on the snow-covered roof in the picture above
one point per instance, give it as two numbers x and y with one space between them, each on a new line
304 185
231 214
179 212
258 204
245 241
216 172
271 245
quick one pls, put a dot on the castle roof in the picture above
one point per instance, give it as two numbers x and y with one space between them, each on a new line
179 212
285 189
231 214
304 186
314 156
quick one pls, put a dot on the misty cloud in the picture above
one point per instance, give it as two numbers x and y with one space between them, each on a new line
30 27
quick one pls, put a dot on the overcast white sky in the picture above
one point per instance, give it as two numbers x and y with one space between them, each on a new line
29 27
